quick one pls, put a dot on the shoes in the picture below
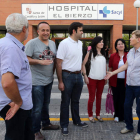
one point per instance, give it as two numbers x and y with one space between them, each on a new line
116 119
99 119
137 137
39 136
125 130
64 131
91 119
50 127
82 124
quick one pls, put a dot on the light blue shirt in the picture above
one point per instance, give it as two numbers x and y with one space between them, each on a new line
14 60
133 70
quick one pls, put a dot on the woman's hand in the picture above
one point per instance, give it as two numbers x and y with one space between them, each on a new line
109 74
105 82
86 79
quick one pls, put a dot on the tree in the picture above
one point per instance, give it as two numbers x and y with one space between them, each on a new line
127 41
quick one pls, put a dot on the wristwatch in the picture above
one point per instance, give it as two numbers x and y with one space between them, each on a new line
83 74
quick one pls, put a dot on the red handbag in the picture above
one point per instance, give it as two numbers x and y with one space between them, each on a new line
109 102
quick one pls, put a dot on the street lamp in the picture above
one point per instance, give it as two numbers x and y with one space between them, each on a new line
137 5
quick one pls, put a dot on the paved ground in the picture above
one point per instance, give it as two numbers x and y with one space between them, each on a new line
108 130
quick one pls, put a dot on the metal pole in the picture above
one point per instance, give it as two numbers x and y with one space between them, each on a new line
137 19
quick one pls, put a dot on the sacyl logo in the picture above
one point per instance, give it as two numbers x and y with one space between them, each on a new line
104 12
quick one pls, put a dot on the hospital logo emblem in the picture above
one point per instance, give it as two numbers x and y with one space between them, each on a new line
104 12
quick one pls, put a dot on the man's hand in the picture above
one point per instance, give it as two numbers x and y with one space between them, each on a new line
86 79
45 62
61 86
12 111
109 74
10 88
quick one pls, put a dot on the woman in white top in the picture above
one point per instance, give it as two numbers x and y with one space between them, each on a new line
95 80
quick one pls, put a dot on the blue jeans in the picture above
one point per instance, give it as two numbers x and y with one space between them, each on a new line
41 100
132 92
19 127
73 87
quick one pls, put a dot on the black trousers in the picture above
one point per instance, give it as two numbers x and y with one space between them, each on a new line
119 98
20 126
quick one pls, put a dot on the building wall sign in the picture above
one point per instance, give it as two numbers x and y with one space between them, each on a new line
73 11
35 11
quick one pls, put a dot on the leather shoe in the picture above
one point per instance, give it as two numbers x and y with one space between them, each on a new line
39 136
50 127
125 130
82 124
64 131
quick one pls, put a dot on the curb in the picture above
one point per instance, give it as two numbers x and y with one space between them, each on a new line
82 119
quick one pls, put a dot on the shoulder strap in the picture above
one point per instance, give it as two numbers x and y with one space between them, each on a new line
89 58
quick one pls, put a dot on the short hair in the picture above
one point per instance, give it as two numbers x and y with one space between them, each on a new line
41 23
74 26
15 23
123 41
136 33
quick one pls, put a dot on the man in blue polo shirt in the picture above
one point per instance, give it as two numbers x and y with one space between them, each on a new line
16 82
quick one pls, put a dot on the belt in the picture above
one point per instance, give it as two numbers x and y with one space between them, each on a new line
75 72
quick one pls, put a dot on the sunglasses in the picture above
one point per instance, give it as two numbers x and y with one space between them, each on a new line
48 48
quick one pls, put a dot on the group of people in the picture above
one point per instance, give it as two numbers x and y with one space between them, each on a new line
27 79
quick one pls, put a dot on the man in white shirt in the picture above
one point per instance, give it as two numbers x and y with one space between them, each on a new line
69 61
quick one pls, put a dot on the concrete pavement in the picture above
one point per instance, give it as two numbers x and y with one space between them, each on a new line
107 130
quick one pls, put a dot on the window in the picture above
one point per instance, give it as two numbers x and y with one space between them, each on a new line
126 36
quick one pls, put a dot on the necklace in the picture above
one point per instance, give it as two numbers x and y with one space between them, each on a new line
121 58
99 54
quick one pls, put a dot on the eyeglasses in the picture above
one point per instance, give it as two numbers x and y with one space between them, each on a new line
48 48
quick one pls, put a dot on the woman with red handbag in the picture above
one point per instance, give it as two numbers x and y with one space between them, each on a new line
117 82
95 79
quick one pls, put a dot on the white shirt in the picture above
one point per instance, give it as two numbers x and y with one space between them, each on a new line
70 52
97 68
121 74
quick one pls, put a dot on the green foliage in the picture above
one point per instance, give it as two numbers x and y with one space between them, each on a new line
2 35
66 35
126 36
55 35
87 43
90 35
51 36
